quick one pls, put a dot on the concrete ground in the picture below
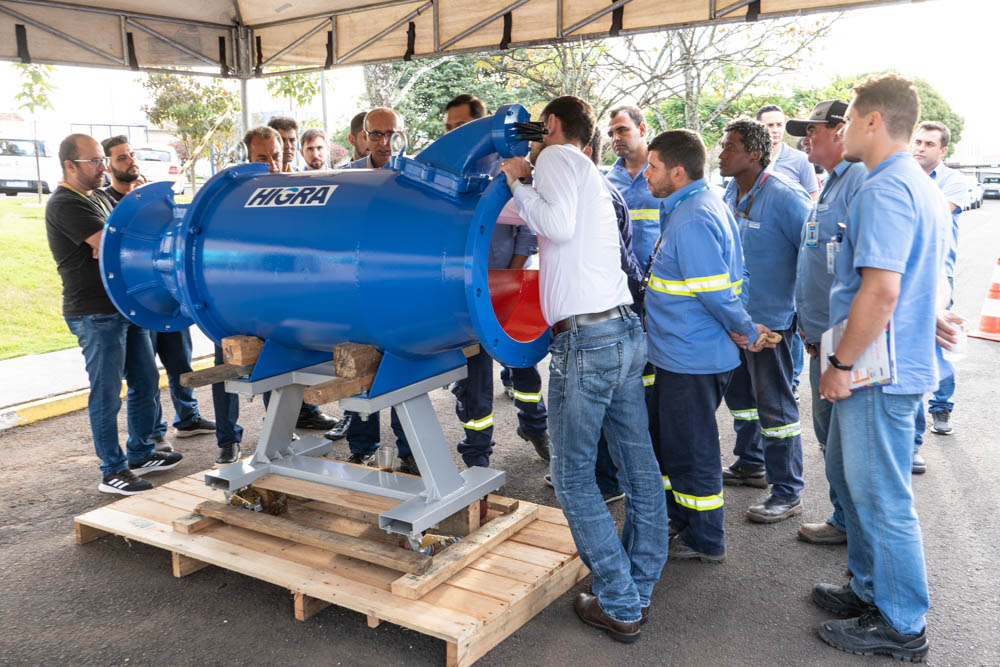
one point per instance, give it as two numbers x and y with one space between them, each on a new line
112 602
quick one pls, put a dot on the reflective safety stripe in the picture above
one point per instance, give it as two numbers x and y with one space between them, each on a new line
709 283
648 380
699 503
527 398
745 415
479 424
786 431
675 287
644 214
691 286
738 286
666 482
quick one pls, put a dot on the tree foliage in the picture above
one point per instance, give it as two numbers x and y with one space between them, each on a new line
298 89
34 96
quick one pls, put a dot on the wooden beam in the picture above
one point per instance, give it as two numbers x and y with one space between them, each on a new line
372 552
354 360
501 504
85 533
460 523
373 621
192 523
460 554
307 606
336 389
185 565
207 376
471 350
241 350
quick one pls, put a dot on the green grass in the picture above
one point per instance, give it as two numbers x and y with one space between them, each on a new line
31 320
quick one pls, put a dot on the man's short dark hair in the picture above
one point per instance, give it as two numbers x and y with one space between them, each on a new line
476 107
265 132
684 148
283 123
633 112
895 98
312 134
577 118
754 137
596 147
358 122
68 149
111 142
931 125
768 107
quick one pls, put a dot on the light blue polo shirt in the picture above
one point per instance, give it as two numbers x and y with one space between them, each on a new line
643 209
899 222
795 164
815 275
954 185
770 217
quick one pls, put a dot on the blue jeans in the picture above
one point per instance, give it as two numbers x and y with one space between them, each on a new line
363 436
821 409
174 350
114 348
869 457
595 385
938 402
227 410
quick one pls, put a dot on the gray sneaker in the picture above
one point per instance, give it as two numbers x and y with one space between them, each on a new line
942 423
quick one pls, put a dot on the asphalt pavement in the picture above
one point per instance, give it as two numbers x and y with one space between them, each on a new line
115 602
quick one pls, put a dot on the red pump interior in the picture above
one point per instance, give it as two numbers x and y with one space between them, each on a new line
517 303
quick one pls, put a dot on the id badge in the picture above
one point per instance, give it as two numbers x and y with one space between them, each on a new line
753 224
812 234
831 255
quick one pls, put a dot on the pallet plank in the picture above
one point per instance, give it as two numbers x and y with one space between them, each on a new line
214 374
192 523
84 533
509 568
547 536
531 554
351 504
307 606
552 515
475 604
492 585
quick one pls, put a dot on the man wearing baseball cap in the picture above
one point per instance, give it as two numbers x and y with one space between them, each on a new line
821 239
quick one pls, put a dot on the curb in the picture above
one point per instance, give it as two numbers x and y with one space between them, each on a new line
23 414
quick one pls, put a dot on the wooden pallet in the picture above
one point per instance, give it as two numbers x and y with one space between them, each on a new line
476 593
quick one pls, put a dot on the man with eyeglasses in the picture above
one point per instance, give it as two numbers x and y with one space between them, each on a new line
173 347
112 346
380 124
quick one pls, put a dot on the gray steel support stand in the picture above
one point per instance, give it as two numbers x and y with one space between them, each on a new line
439 492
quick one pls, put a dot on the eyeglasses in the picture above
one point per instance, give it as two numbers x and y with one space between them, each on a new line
378 137
96 161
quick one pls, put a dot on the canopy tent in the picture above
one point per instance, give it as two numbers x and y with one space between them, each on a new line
246 38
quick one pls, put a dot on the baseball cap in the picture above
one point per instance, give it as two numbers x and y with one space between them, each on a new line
829 112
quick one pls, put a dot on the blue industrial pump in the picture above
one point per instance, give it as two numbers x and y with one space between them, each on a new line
395 258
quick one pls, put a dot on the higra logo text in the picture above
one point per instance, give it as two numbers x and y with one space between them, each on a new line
305 195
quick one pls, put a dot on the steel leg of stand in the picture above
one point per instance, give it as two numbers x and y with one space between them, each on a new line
429 447
279 423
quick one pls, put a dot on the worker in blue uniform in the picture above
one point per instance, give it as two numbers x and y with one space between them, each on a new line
695 317
363 435
511 246
771 211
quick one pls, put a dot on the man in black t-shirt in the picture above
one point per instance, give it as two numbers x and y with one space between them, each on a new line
112 347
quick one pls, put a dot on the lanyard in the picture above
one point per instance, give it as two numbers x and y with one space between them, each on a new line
753 193
659 240
827 186
96 201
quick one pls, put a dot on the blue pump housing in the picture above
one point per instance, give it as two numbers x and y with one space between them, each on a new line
395 258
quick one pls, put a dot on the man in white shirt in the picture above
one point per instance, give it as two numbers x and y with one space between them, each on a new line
595 373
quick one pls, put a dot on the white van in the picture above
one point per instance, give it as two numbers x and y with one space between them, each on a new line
17 167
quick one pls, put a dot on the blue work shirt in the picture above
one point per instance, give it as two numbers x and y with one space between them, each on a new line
630 265
693 296
815 272
770 218
365 163
796 166
643 209
898 222
955 188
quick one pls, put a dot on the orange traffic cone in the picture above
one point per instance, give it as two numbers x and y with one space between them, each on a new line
989 321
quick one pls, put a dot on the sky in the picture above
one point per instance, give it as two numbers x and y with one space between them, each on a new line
950 43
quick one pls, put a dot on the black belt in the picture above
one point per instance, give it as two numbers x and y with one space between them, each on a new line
589 318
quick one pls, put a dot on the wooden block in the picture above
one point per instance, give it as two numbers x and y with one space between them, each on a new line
307 606
207 376
85 533
192 523
457 556
351 504
336 389
185 565
354 360
241 350
471 350
373 621
460 523
501 504
371 552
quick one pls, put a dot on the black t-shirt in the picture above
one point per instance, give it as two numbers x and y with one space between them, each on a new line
114 194
70 218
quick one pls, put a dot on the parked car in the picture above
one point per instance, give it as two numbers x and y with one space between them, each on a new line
991 187
159 163
975 197
18 172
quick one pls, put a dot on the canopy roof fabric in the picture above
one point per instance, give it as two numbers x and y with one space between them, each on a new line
246 38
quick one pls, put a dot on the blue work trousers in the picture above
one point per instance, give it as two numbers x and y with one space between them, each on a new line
686 440
869 458
821 409
798 357
227 410
174 350
595 385
114 348
766 416
363 435
474 407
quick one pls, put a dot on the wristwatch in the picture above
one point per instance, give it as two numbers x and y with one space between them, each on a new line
835 362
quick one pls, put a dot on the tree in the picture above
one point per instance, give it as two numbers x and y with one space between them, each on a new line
34 95
298 89
203 114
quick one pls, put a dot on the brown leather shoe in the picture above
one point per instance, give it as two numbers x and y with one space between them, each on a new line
645 615
822 533
590 612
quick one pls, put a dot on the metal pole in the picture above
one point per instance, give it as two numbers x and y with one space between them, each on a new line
322 96
244 107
